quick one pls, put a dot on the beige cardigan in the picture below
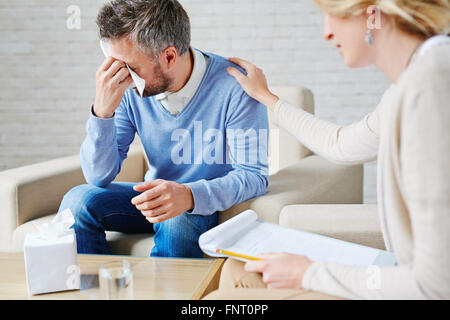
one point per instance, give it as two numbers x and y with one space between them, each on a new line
409 133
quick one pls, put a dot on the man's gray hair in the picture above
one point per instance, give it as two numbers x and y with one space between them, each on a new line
153 25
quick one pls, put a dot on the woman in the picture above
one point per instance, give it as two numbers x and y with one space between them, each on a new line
409 134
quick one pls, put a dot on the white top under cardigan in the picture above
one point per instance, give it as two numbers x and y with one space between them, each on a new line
409 133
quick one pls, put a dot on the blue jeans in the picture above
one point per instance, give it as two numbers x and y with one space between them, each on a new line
97 210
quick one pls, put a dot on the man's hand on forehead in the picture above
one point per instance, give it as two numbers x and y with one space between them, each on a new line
112 80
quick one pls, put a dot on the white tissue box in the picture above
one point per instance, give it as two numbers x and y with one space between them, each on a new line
51 264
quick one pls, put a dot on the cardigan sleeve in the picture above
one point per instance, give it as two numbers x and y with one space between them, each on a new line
353 144
423 122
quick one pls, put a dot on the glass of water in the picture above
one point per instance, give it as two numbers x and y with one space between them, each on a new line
116 280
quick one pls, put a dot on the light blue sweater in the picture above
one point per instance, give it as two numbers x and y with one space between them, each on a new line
217 145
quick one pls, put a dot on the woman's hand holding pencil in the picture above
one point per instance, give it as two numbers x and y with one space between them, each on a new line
279 270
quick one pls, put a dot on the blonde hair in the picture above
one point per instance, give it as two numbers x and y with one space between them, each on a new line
425 18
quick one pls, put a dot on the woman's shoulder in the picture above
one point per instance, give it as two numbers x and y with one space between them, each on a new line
423 91
428 72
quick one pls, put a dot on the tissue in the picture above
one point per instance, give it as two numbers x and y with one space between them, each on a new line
57 228
51 256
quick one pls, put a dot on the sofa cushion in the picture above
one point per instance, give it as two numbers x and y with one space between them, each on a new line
136 244
354 223
123 244
311 180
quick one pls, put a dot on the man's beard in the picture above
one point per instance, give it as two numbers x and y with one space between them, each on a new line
159 85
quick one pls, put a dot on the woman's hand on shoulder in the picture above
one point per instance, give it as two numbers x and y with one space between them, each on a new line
254 83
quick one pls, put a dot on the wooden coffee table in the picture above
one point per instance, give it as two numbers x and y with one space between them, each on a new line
154 278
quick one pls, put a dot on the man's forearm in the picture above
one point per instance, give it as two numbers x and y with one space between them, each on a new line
99 151
222 193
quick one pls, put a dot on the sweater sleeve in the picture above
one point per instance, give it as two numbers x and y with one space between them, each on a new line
353 144
247 145
106 146
425 184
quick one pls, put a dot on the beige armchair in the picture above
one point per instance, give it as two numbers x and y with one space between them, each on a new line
32 194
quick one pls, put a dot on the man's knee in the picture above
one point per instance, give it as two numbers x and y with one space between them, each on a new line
81 199
178 237
77 192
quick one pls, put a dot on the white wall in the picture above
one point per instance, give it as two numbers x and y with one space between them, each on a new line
47 71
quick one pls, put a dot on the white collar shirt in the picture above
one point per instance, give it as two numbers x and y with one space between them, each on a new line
174 102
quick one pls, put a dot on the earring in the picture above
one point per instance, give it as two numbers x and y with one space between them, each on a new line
369 37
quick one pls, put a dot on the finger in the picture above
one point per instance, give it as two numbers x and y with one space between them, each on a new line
149 213
240 77
242 63
114 68
106 63
149 205
147 195
255 266
157 211
147 185
121 75
159 218
127 82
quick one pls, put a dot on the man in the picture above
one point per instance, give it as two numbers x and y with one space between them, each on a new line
205 138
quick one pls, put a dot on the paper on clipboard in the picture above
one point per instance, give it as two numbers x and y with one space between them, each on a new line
245 234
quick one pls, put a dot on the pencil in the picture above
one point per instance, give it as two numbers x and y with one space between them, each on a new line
233 254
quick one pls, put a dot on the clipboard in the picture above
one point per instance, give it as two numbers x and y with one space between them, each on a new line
246 235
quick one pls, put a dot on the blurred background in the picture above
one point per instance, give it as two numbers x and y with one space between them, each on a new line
49 54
